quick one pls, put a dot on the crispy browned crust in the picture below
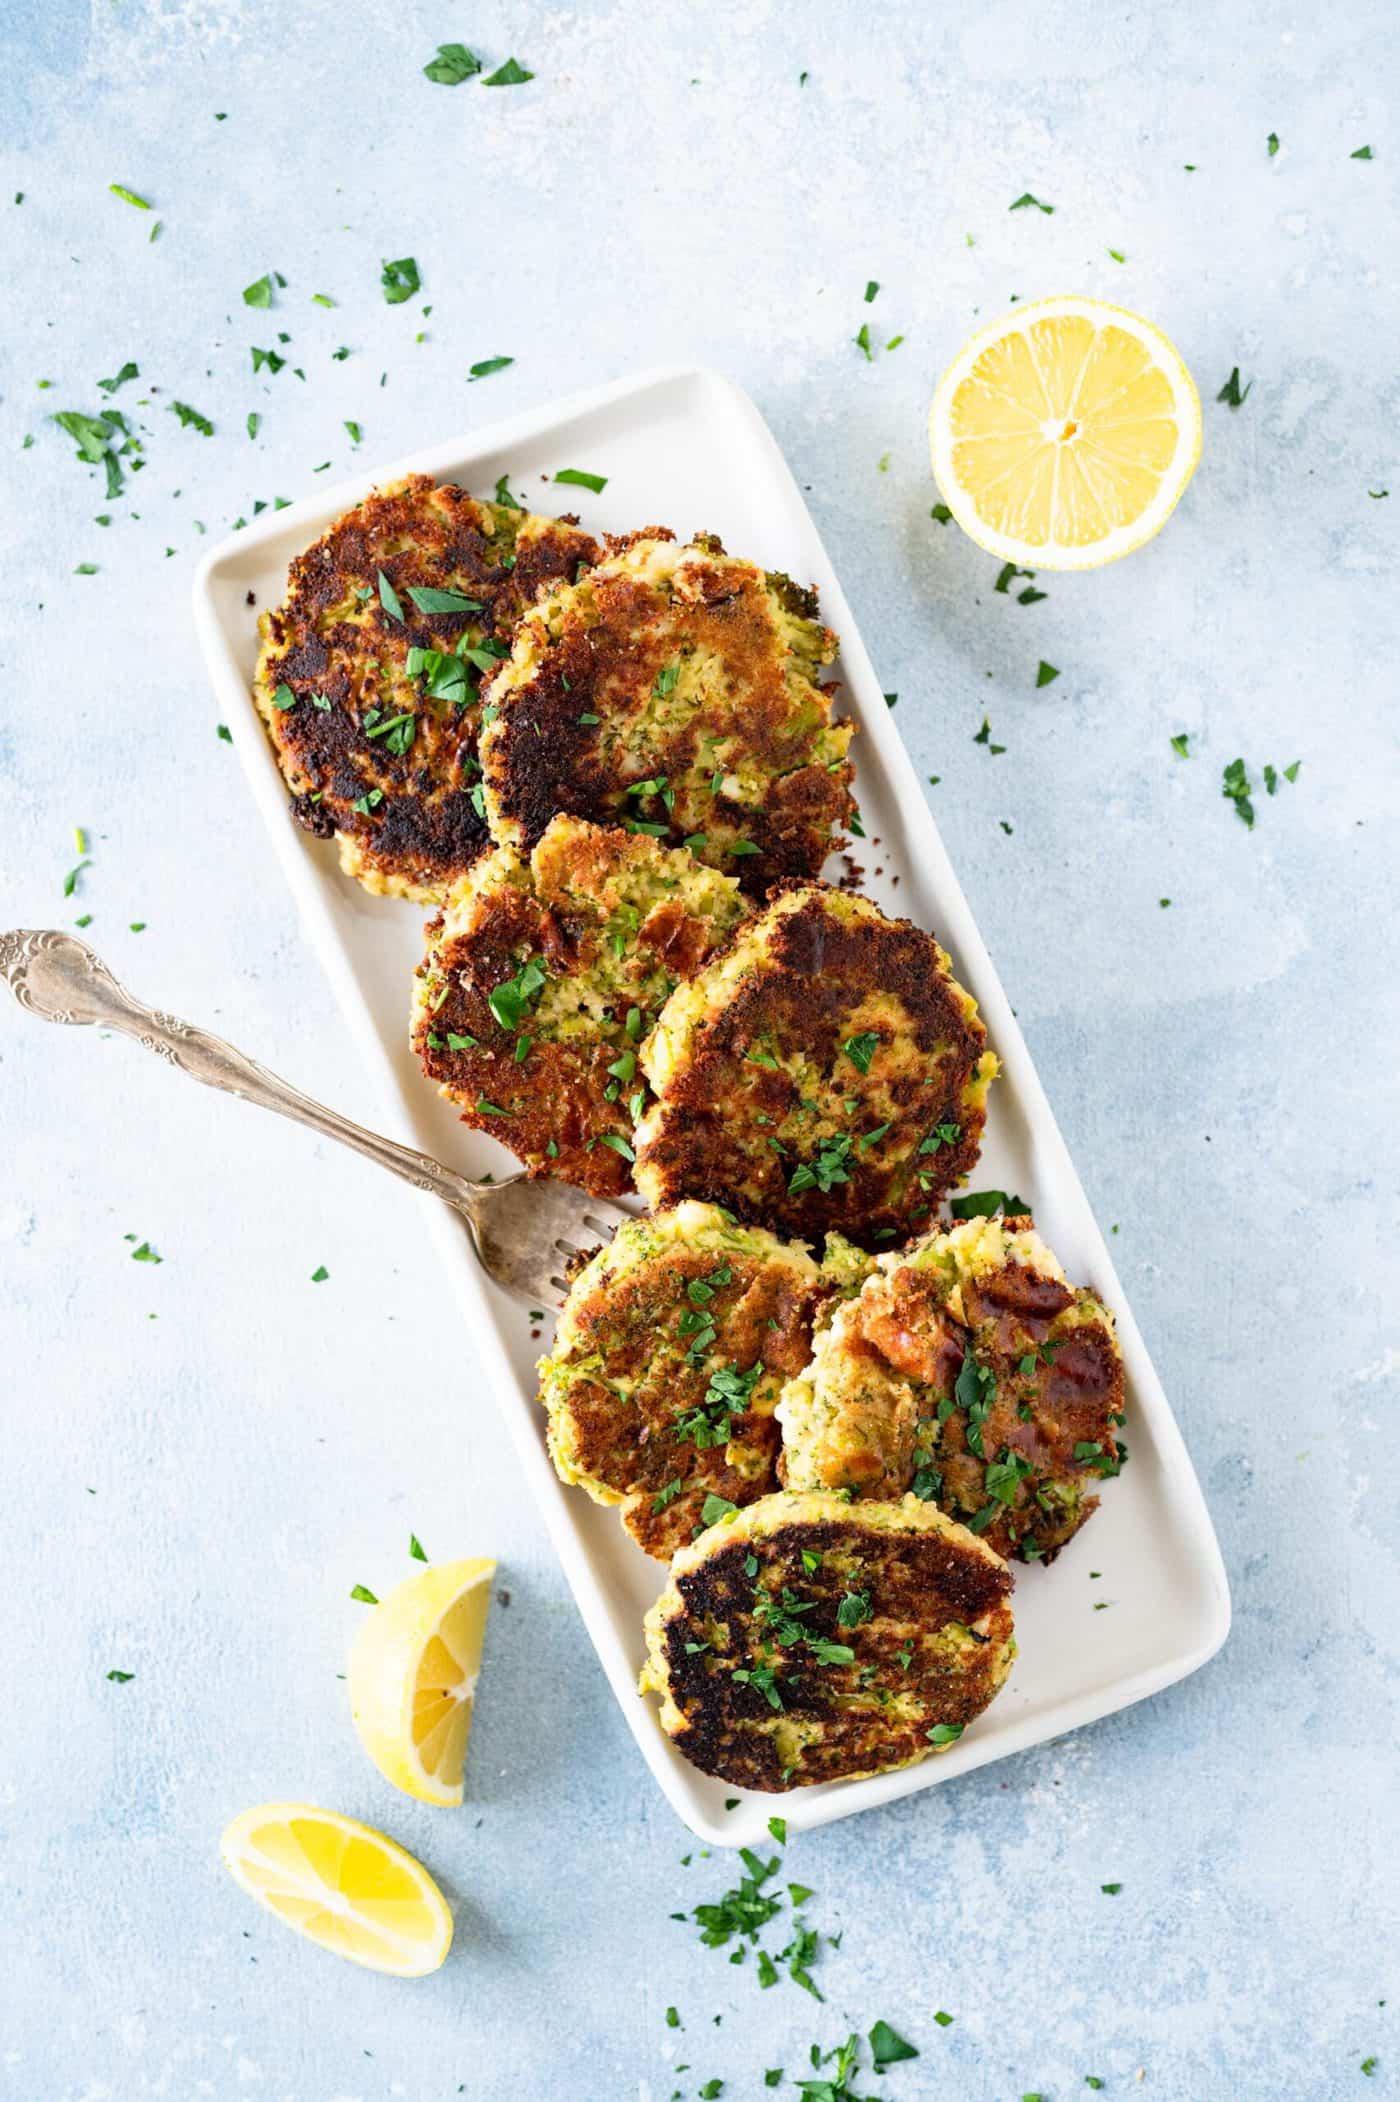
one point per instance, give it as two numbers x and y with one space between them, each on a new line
1058 1392
641 1328
545 755
561 1109
427 829
713 1136
918 1583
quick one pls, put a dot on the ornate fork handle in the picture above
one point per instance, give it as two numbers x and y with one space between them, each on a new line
55 975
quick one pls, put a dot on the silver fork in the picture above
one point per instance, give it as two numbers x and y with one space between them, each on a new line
525 1233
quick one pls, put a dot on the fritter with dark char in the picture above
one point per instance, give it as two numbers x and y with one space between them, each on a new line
670 1353
674 689
970 1371
543 977
370 670
806 1639
826 1070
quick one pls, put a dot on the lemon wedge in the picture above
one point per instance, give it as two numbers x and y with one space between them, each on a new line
342 1885
1063 435
413 1672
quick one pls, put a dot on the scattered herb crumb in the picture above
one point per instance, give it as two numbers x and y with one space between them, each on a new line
453 64
1231 393
363 1593
1047 674
119 189
1025 200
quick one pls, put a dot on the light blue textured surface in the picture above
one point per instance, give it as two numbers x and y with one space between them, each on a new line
190 1497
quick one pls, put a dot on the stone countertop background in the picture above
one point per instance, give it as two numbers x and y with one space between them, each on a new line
201 1458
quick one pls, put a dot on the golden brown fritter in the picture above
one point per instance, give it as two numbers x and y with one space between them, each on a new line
370 670
970 1371
542 978
806 1639
670 1353
674 689
825 1071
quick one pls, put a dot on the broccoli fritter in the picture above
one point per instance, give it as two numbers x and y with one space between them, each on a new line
826 1070
544 975
969 1371
370 671
674 689
670 1353
806 1639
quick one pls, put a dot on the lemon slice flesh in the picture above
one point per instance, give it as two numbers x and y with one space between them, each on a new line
341 1884
1064 434
413 1673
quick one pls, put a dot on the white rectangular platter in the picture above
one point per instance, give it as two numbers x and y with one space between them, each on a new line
687 448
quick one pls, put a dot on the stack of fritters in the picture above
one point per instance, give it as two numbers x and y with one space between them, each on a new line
614 768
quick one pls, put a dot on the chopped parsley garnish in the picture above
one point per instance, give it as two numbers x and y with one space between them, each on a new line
130 371
355 432
1273 144
863 342
985 1204
319 1274
861 1049
399 280
1181 744
121 1678
512 1000
259 293
1363 153
370 800
827 1168
270 358
415 1548
714 1508
143 1252
944 1733
618 1144
119 189
429 599
1110 1890
453 64
485 366
1231 393
511 75
871 289
667 1495
1047 674
1026 199
579 478
363 1593
389 599
941 515
727 1396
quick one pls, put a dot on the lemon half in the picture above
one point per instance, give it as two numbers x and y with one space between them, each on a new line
413 1673
1063 435
341 1884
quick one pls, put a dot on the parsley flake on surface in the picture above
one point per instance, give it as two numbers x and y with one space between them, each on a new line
119 189
453 64
399 280
191 419
259 293
130 371
1026 199
579 478
1110 1890
1181 744
319 1274
485 366
1273 144
121 1678
872 287
363 1593
1235 787
862 340
1231 393
415 1548
1047 674
888 2047
941 514
1362 153
511 75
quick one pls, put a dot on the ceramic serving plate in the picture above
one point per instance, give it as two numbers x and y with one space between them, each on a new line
687 448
